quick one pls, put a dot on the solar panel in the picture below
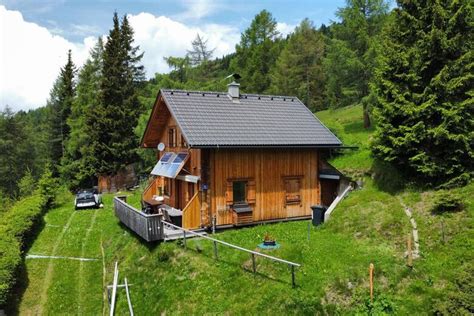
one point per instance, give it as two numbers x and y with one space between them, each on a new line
180 158
170 165
162 165
166 157
175 167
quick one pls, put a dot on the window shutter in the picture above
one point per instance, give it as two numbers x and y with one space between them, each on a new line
229 198
251 191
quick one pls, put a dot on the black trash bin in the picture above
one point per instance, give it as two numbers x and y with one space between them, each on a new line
318 214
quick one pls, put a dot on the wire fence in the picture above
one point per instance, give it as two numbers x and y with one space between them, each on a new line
253 254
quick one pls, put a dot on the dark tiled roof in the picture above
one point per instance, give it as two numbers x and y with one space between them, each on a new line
210 119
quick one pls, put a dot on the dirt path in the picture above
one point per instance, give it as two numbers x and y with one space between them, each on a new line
49 272
414 229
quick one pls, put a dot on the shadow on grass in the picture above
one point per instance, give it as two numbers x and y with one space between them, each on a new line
357 127
150 245
242 266
21 275
387 178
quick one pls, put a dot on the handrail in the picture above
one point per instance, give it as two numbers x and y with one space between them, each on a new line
190 201
336 201
149 186
134 209
233 246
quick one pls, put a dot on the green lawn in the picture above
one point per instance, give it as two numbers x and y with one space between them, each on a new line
369 226
347 124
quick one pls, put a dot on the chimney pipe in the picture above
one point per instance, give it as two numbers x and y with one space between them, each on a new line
233 91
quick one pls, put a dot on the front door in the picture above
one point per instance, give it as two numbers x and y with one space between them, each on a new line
328 191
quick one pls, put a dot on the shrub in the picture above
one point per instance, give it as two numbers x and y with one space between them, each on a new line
9 261
447 202
16 226
458 299
27 184
48 187
14 229
381 305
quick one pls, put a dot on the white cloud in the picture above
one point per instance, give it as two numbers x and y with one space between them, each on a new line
285 28
31 55
84 29
197 9
30 59
161 36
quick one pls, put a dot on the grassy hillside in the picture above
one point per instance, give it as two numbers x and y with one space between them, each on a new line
369 226
347 124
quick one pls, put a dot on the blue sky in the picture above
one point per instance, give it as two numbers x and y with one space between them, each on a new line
76 19
36 35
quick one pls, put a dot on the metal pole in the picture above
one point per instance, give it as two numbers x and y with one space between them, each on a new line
309 230
293 282
215 250
254 264
130 307
114 290
184 238
214 224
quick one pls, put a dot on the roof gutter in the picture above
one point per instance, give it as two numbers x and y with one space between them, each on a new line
272 146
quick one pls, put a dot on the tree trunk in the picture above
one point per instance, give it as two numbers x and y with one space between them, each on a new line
367 123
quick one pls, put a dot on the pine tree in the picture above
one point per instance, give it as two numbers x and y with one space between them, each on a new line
298 70
15 151
59 103
257 53
76 167
424 88
111 124
350 60
199 53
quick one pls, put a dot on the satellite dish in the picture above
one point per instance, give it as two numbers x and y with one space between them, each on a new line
161 146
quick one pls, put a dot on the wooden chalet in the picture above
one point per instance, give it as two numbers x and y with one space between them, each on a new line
230 159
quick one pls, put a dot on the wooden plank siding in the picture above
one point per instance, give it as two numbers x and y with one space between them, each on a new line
192 212
268 168
280 183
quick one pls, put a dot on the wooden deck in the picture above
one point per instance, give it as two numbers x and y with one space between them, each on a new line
148 227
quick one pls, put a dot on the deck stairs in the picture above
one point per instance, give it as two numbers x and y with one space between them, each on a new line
173 234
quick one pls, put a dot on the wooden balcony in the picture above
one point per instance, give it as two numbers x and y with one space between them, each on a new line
149 227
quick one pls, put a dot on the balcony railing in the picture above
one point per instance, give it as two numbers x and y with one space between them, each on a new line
149 227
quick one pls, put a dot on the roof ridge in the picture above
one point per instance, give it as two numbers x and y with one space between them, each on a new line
255 95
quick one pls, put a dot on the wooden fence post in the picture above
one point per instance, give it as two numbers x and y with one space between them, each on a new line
371 280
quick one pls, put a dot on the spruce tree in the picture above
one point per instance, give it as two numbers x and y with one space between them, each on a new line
111 124
59 103
257 52
76 165
424 88
298 70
